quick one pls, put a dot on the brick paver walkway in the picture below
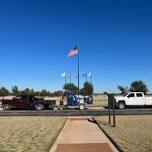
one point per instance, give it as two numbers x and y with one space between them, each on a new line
79 134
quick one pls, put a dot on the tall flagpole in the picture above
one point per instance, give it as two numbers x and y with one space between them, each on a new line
78 71
70 77
91 78
65 79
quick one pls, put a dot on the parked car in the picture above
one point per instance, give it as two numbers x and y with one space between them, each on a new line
133 99
27 102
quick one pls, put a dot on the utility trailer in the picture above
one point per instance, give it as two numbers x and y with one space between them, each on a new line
75 101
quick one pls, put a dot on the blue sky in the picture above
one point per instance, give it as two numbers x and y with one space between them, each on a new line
115 40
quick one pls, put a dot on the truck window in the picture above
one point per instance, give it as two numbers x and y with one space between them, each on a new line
139 95
17 97
131 95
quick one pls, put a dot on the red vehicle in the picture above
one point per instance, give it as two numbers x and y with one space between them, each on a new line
28 102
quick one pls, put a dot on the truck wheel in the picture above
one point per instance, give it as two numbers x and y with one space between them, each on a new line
6 107
81 107
51 107
39 107
121 105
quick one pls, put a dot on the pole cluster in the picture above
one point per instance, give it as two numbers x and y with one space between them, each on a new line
73 52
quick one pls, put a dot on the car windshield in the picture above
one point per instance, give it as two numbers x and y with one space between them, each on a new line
124 94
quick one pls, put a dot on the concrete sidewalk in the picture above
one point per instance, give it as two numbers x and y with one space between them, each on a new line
78 130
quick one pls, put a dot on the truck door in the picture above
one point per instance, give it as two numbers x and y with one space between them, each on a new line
20 102
16 102
24 102
131 99
140 99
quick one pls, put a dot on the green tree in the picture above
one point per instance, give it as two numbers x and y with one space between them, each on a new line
139 86
82 91
105 93
15 90
25 91
71 87
56 93
32 92
37 93
44 93
123 89
87 89
4 91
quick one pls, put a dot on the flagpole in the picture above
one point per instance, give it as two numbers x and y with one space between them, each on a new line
86 78
78 71
70 77
65 79
91 78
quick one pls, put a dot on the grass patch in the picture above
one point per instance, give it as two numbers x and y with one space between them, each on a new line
32 134
131 134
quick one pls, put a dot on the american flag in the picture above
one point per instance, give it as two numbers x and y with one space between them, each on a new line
73 52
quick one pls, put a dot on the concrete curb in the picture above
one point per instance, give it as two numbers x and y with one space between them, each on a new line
51 145
54 145
75 112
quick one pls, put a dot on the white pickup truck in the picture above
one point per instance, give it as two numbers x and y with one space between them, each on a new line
132 99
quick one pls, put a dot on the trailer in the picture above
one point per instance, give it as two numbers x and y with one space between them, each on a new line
75 101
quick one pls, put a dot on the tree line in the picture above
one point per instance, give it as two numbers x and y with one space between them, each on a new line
135 86
86 90
15 91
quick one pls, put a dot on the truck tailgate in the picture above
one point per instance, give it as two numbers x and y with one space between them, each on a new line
148 100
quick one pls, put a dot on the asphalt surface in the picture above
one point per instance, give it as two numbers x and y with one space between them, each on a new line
145 111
